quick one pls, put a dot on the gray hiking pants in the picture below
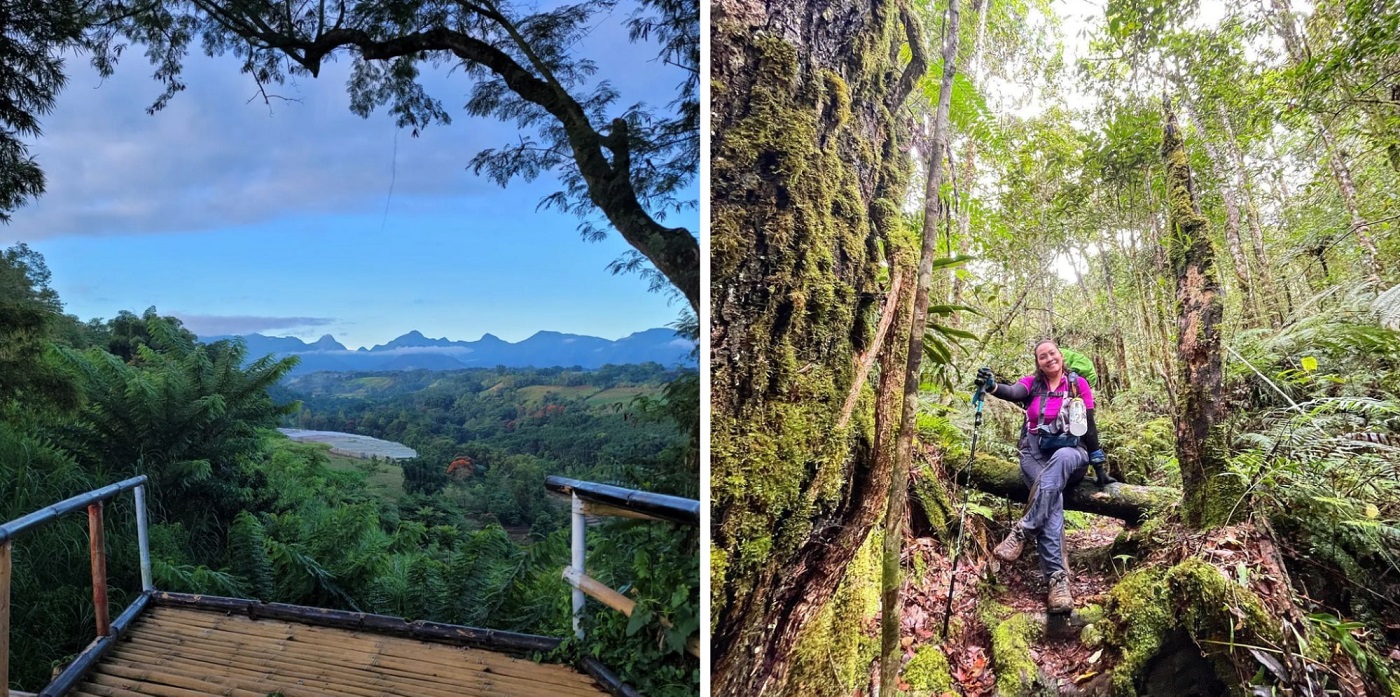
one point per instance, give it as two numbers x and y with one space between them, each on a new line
1047 478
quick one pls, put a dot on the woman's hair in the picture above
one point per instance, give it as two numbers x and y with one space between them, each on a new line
1035 359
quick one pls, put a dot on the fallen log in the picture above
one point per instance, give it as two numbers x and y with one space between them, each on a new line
1127 502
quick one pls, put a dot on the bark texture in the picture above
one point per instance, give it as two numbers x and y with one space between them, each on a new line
1200 447
807 173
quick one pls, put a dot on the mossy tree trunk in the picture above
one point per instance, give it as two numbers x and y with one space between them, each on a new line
1207 497
904 445
807 175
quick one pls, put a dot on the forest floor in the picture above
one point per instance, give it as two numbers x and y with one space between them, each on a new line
1056 647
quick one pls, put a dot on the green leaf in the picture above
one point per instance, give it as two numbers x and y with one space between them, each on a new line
951 331
1309 363
949 262
638 620
950 309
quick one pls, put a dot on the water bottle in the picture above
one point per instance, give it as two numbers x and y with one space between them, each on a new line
1077 416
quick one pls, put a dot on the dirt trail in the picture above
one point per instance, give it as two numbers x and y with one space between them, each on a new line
1059 652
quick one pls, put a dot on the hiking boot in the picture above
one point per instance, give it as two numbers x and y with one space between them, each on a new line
1010 548
1059 602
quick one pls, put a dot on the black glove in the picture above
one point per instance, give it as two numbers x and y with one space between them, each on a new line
1100 464
985 380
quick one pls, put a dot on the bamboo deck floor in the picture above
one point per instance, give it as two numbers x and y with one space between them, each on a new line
181 652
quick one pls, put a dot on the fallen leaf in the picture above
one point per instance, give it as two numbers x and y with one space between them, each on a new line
1395 655
1085 676
1094 657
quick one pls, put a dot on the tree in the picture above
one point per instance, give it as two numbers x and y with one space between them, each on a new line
809 171
188 415
31 75
127 332
1200 445
631 167
29 309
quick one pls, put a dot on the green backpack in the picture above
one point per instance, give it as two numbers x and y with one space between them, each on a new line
1080 363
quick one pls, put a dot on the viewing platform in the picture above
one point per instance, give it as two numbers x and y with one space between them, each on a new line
185 645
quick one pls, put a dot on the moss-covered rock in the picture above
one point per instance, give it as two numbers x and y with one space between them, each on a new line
927 673
1091 636
1013 633
1150 606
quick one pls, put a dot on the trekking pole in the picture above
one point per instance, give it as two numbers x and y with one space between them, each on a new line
962 515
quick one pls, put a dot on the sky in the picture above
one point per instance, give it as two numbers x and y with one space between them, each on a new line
300 218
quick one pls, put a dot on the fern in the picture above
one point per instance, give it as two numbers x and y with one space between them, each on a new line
247 552
1387 308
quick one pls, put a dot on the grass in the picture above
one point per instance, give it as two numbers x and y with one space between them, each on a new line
624 395
385 481
536 393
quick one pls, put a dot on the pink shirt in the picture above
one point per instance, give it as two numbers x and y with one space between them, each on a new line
1053 404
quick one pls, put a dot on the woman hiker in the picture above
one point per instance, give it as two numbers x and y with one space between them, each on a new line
1057 446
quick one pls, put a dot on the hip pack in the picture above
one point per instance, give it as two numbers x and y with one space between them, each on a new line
1061 433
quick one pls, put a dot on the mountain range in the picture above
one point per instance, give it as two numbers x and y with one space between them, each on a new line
413 351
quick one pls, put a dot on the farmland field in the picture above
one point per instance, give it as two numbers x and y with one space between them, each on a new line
624 395
385 478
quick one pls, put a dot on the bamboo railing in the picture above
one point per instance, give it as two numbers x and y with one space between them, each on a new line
589 498
107 630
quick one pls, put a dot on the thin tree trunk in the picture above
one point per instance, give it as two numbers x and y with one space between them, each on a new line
1245 182
1359 226
1200 447
899 485
1232 216
1120 350
1293 41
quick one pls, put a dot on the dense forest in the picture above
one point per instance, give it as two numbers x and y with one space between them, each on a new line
1201 199
239 510
501 431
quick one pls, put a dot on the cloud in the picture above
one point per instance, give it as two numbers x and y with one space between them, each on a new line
220 325
214 158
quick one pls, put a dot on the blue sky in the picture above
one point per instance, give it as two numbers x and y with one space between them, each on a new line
238 216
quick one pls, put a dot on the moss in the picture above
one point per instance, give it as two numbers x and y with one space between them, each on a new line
1148 605
719 566
834 654
931 500
778 460
927 672
1013 633
1090 613
801 157
839 94
1143 621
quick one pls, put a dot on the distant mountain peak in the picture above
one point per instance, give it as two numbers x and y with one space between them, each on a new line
414 351
326 343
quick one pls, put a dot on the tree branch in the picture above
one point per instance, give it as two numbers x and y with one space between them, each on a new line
918 62
674 251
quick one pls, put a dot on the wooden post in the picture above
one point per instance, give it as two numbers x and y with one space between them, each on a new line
98 552
5 615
